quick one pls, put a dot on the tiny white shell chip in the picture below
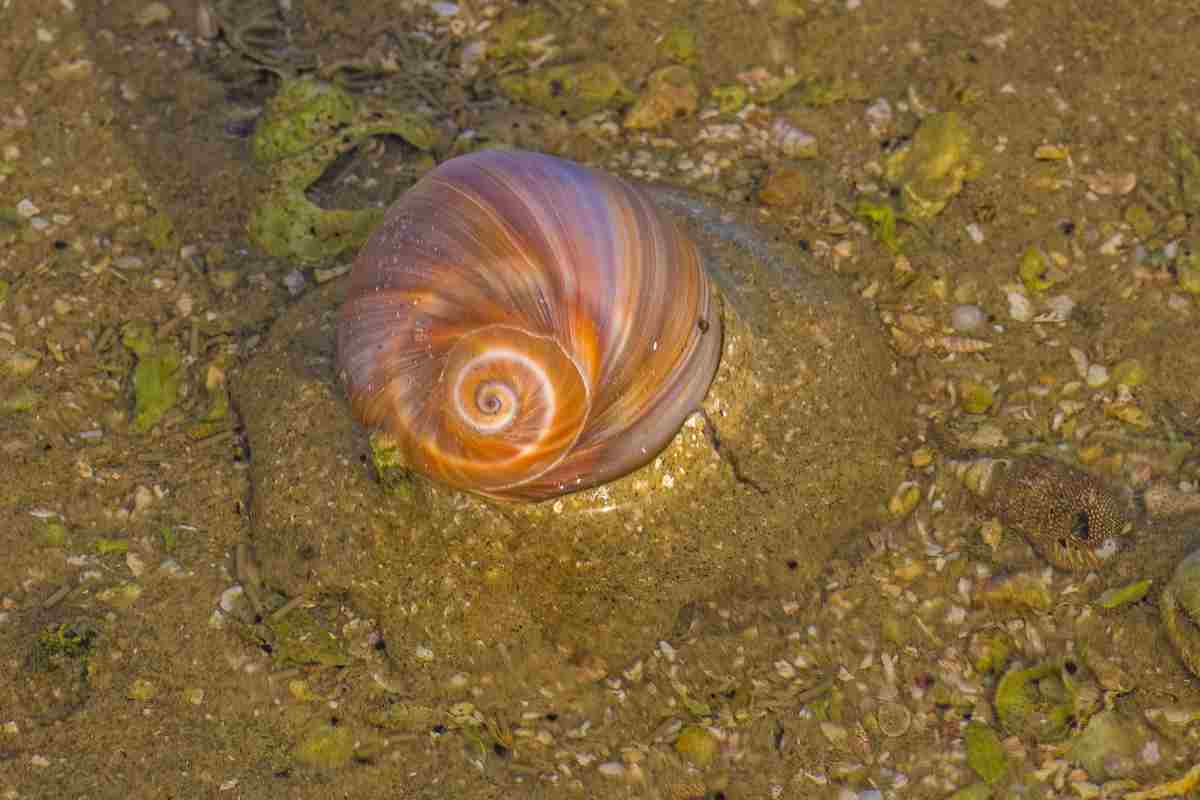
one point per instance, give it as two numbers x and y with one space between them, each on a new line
1097 375
1019 306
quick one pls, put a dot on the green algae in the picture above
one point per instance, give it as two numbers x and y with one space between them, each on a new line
985 753
325 745
1037 702
300 638
306 126
931 170
1033 269
56 645
572 91
157 377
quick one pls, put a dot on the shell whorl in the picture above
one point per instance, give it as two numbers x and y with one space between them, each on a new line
523 326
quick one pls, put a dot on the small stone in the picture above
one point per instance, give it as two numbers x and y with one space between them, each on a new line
697 744
230 599
784 187
879 116
730 99
967 318
153 14
834 733
1129 372
294 282
207 26
975 397
792 141
1107 183
225 278
143 498
142 689
1019 306
129 263
122 596
670 93
894 719
21 365
326 746
1052 152
904 499
1140 219
1021 590
679 44
1097 375
987 437
1128 413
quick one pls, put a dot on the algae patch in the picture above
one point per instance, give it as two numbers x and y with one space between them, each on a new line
943 154
157 378
306 126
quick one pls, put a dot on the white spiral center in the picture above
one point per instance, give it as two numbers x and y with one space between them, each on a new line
492 387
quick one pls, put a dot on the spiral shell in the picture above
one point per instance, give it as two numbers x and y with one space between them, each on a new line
522 327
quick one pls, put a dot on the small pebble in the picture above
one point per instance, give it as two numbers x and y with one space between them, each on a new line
791 140
879 116
129 262
1019 306
153 14
230 598
784 187
967 318
294 281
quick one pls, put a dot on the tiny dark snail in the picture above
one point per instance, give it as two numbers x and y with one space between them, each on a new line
521 327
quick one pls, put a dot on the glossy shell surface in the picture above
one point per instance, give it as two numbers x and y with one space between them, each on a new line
522 327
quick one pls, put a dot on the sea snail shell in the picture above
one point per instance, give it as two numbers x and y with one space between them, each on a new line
522 327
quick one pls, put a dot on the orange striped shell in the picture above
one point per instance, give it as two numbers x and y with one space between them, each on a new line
522 327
